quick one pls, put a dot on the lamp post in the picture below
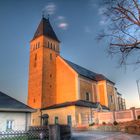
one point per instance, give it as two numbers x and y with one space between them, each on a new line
137 81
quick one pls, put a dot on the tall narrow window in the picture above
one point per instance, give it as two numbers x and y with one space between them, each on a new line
38 44
50 56
35 60
9 124
51 46
56 120
48 44
69 120
34 100
35 56
87 96
111 98
57 47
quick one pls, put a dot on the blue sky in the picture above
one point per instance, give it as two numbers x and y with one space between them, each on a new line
76 24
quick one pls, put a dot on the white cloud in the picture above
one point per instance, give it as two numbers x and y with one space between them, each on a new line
92 4
49 9
101 10
61 18
103 19
62 22
63 25
87 29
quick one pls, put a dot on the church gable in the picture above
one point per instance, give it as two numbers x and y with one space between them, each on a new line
66 82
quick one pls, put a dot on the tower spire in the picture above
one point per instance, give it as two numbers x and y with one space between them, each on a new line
45 28
43 14
48 16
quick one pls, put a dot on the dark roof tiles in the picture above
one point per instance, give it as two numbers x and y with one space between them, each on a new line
11 104
45 29
81 103
82 71
87 73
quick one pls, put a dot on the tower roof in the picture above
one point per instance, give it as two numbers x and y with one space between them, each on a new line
45 28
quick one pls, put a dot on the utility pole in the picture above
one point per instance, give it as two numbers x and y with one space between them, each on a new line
137 81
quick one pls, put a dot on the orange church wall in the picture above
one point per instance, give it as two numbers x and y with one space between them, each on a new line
42 72
66 82
49 78
102 91
35 73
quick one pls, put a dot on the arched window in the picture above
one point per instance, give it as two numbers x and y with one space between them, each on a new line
51 45
111 99
35 56
50 56
48 44
38 44
54 46
35 60
87 96
34 100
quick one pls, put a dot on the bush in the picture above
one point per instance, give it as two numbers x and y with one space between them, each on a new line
115 123
91 124
104 123
138 117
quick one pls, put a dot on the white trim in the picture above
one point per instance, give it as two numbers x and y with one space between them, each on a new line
78 88
106 95
94 88
93 97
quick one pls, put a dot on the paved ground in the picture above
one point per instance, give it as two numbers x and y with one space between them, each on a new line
90 135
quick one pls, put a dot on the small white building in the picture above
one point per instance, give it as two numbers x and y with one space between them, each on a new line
14 115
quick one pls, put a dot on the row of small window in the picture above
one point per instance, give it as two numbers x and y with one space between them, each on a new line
87 97
49 45
52 46
36 46
69 120
56 120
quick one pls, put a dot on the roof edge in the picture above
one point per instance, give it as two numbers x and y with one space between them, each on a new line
17 110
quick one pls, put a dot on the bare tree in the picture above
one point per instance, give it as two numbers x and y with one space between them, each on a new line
122 29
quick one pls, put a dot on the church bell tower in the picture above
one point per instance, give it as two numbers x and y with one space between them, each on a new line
44 48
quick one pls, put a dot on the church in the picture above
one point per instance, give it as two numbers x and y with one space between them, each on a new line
67 92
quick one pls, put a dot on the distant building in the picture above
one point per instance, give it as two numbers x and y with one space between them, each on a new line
121 102
14 115
65 91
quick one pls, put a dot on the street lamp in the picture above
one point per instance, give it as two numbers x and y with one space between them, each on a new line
137 81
